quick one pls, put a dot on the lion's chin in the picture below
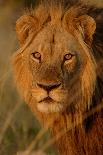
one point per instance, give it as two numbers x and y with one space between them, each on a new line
51 107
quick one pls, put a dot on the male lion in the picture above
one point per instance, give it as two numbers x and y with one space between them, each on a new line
58 70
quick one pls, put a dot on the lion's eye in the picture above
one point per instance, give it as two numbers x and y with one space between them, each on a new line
68 56
36 55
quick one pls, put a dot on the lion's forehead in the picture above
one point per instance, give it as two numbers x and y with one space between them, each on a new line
58 37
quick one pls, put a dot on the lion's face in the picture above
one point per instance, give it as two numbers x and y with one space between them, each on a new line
55 60
56 71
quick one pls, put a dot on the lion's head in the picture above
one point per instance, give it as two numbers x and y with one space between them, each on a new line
54 68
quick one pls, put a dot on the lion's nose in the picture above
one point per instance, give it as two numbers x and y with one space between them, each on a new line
48 87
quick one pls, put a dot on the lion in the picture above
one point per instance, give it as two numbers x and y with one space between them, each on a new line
58 71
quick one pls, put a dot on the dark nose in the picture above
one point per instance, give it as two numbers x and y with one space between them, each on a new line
48 87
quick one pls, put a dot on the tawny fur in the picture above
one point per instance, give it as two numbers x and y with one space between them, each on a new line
86 88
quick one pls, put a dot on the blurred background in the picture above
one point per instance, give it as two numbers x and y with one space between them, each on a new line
19 129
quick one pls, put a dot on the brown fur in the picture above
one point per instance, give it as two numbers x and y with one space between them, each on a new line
85 89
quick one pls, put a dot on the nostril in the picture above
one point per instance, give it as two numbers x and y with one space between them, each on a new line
48 87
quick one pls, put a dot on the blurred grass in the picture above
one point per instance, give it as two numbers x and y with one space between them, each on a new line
18 126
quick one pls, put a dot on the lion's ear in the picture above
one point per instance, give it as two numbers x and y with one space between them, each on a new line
24 26
87 26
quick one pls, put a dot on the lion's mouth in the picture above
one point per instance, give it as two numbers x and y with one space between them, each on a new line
46 100
48 105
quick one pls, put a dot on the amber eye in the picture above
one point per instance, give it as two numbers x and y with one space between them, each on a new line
68 56
36 55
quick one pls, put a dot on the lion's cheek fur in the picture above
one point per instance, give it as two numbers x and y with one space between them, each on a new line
23 77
